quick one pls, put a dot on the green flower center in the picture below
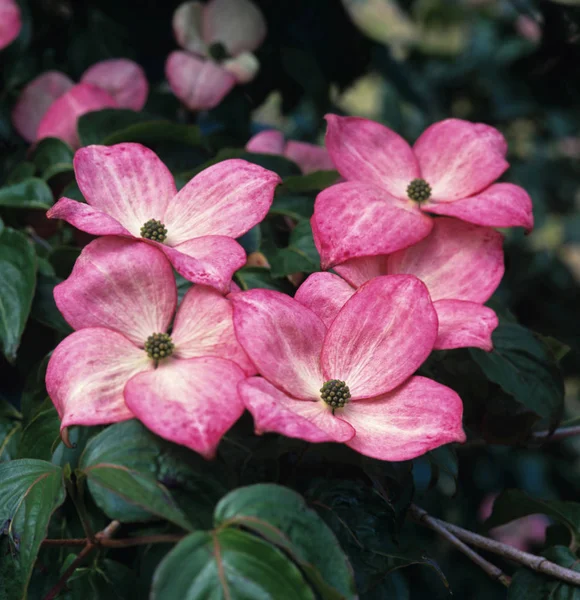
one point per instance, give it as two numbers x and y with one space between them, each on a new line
335 393
158 346
419 190
218 52
154 230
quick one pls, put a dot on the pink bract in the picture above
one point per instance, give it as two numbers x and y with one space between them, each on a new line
452 168
50 105
119 294
374 345
234 28
461 264
308 157
127 186
10 22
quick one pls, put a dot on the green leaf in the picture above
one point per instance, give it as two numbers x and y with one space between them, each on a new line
156 131
313 182
22 171
300 256
249 278
52 157
122 477
30 193
228 565
524 368
528 585
41 435
95 127
31 491
17 282
44 309
10 426
295 207
251 240
514 504
281 516
278 164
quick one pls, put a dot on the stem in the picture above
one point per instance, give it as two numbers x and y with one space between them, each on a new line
90 546
124 543
75 492
421 516
533 562
558 435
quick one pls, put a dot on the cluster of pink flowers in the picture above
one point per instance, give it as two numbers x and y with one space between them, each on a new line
337 362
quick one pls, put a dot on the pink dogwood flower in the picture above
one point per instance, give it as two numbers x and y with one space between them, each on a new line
350 381
218 39
130 192
122 362
308 157
51 104
461 264
10 22
390 189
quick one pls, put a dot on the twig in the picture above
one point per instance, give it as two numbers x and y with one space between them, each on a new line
558 435
536 563
123 543
421 516
90 546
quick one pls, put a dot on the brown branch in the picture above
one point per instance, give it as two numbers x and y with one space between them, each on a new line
89 547
123 543
421 516
558 435
533 562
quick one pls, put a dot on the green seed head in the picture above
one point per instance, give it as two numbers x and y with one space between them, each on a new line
419 190
335 393
154 230
218 52
159 346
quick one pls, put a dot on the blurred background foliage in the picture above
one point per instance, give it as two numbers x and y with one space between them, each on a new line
513 64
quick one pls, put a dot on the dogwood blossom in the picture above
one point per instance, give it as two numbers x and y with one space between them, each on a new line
130 358
10 22
351 381
461 264
390 189
50 105
218 39
309 157
130 192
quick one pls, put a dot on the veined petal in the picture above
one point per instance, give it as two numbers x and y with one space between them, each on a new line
244 67
273 410
187 27
122 285
324 294
381 336
457 261
87 373
124 79
60 120
237 24
270 141
10 22
371 153
414 418
199 83
309 157
189 402
210 260
500 205
86 218
459 158
228 198
35 99
126 181
360 270
354 219
204 326
464 325
282 338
